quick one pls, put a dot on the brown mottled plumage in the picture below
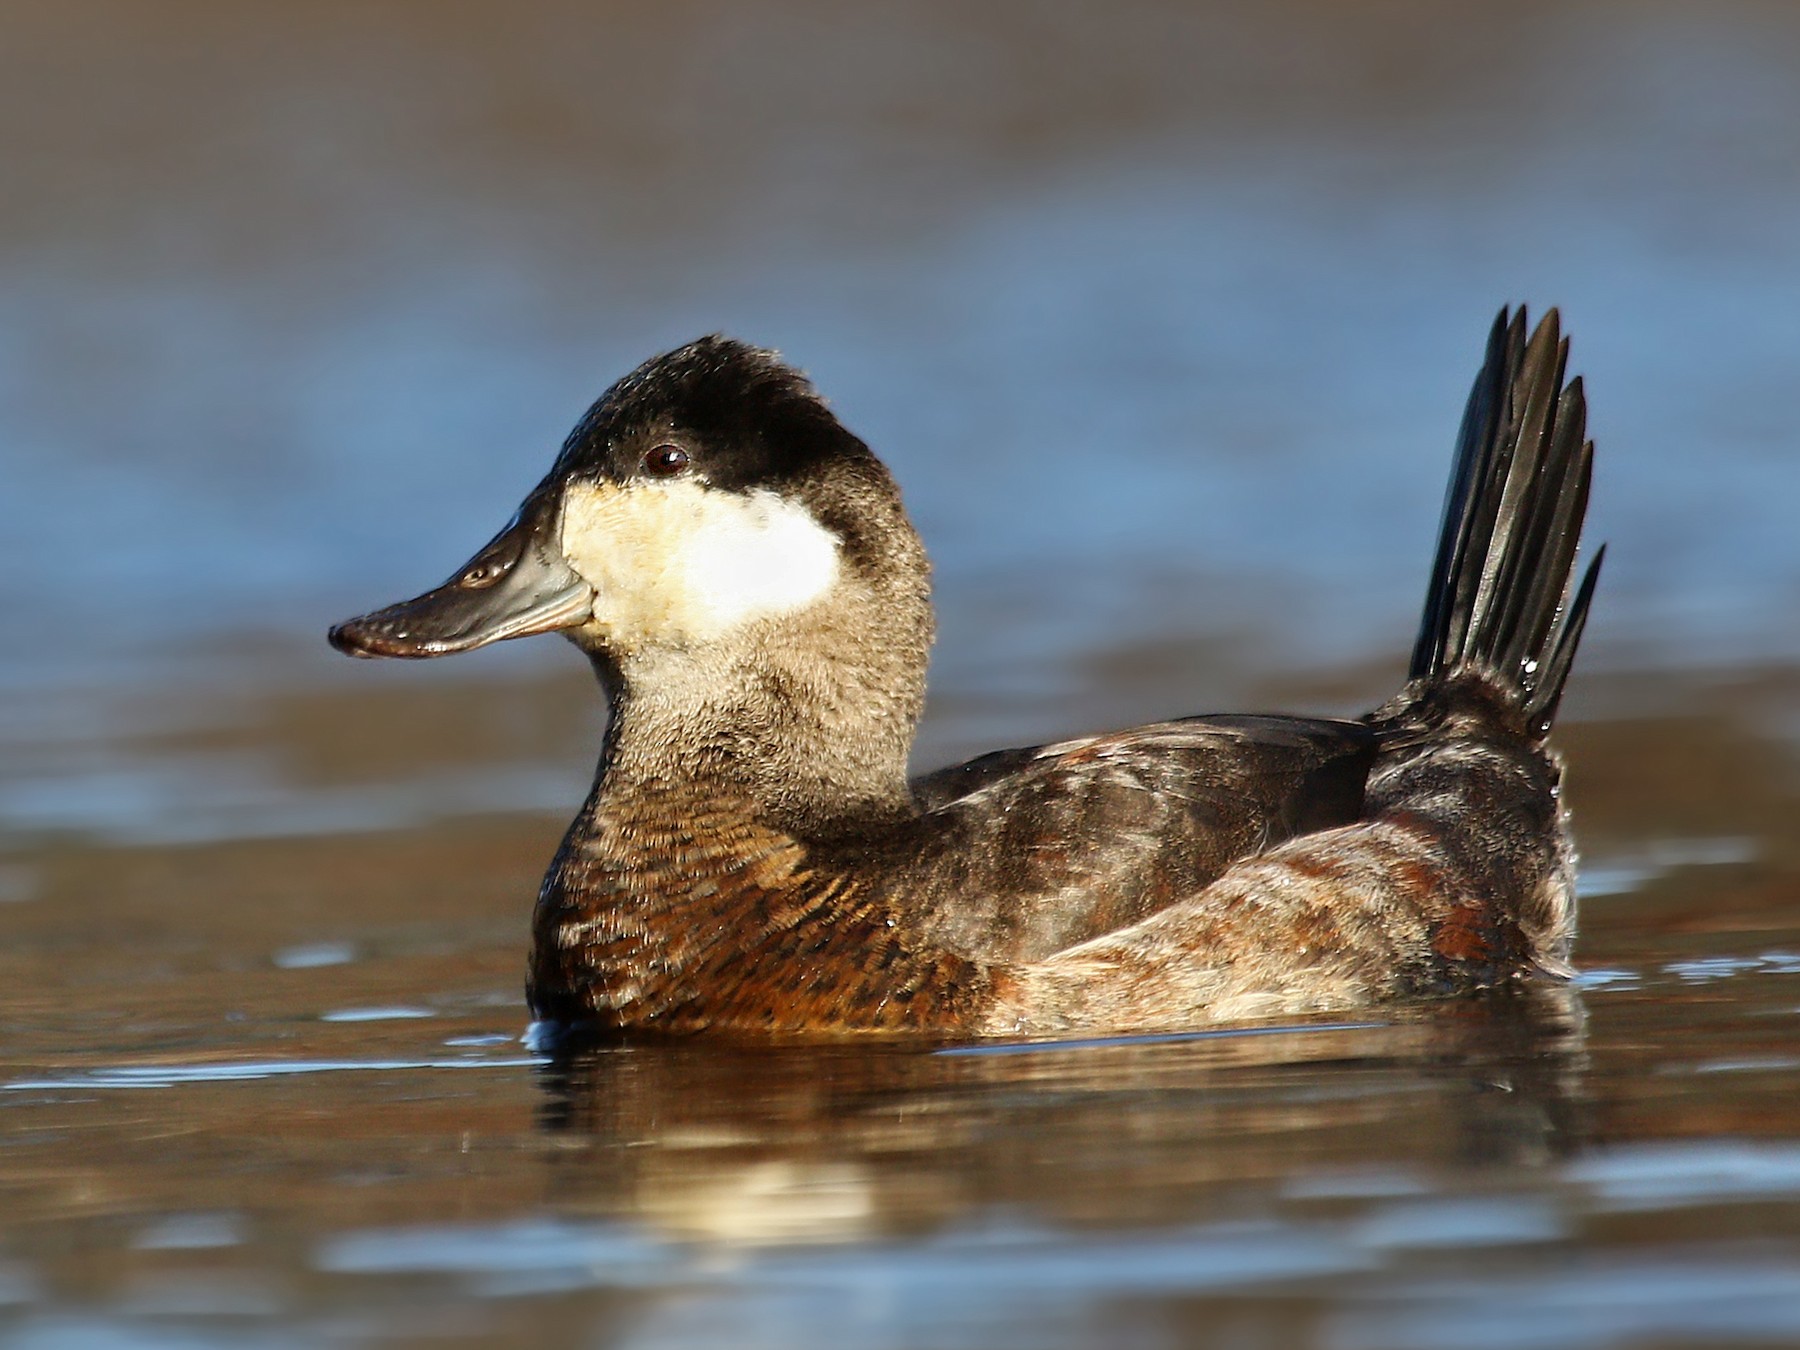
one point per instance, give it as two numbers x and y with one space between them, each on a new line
753 858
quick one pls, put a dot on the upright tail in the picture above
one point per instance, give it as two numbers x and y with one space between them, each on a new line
1460 872
1500 589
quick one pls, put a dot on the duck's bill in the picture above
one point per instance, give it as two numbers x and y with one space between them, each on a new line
518 585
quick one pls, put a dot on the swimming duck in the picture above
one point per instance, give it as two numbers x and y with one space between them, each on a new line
754 859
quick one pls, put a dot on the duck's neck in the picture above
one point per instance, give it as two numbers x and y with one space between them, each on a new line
809 745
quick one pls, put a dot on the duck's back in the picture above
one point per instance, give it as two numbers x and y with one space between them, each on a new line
1022 853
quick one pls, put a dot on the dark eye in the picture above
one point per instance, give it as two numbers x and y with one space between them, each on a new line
665 461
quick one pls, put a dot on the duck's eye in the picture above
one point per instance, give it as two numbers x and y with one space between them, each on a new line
665 461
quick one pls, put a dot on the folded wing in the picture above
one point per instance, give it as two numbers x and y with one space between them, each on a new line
1024 852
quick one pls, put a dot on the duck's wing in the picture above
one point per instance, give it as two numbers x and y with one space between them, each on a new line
1023 852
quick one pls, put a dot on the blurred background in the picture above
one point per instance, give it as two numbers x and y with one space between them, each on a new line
1163 314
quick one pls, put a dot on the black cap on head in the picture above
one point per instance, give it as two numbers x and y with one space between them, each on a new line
743 415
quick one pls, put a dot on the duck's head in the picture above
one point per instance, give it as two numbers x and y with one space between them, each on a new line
709 515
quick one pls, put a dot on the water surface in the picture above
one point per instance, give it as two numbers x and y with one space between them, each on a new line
1164 316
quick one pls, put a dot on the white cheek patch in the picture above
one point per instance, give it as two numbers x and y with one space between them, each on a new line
684 563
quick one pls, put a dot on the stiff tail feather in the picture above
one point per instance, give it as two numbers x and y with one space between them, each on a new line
1500 595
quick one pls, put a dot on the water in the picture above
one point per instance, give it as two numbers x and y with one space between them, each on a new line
1163 316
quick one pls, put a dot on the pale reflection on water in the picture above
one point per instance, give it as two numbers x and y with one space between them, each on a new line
1163 315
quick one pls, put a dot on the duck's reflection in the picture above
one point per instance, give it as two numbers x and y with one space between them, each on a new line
837 1143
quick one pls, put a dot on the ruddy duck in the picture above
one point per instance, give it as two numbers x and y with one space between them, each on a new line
753 857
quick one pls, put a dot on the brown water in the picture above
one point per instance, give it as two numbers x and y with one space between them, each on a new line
1163 315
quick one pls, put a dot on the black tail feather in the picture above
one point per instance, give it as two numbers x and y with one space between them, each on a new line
1499 598
1554 673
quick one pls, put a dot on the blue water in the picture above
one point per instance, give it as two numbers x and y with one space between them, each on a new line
1189 376
1222 358
1163 316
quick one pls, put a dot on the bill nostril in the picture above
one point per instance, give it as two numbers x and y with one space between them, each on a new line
482 575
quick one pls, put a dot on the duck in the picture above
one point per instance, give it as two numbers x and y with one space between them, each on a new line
754 860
